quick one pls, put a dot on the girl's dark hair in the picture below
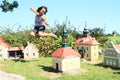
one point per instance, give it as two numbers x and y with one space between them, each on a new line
41 8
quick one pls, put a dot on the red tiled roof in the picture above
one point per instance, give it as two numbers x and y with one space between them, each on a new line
15 48
118 47
86 40
65 52
3 42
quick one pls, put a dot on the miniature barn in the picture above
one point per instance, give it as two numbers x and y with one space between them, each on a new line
15 52
87 46
65 58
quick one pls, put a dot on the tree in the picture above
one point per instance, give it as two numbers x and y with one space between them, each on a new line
7 6
46 46
19 38
115 33
58 30
99 34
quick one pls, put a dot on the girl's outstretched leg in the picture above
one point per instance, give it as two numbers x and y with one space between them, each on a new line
42 34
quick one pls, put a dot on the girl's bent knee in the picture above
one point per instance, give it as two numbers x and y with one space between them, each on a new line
32 34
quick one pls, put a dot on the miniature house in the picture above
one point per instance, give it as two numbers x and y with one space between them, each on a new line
30 52
3 49
112 55
65 58
15 52
87 46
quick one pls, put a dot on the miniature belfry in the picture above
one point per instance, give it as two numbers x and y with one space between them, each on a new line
65 58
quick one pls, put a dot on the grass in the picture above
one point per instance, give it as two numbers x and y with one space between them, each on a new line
115 39
41 70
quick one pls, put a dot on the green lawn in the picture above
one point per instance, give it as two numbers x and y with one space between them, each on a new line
41 70
115 39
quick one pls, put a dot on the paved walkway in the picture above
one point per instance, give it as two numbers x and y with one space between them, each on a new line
6 76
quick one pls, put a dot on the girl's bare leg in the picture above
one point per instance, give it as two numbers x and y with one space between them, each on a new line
46 34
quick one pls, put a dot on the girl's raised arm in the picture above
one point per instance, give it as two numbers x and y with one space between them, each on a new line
34 10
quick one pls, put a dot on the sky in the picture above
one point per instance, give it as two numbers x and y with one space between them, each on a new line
97 13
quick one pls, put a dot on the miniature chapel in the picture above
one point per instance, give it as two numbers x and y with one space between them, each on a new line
65 58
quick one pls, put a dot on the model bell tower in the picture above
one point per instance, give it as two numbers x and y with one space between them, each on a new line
65 38
85 32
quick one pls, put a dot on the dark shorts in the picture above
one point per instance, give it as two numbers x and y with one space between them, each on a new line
38 29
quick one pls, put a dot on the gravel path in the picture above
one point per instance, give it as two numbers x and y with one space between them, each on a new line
6 76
